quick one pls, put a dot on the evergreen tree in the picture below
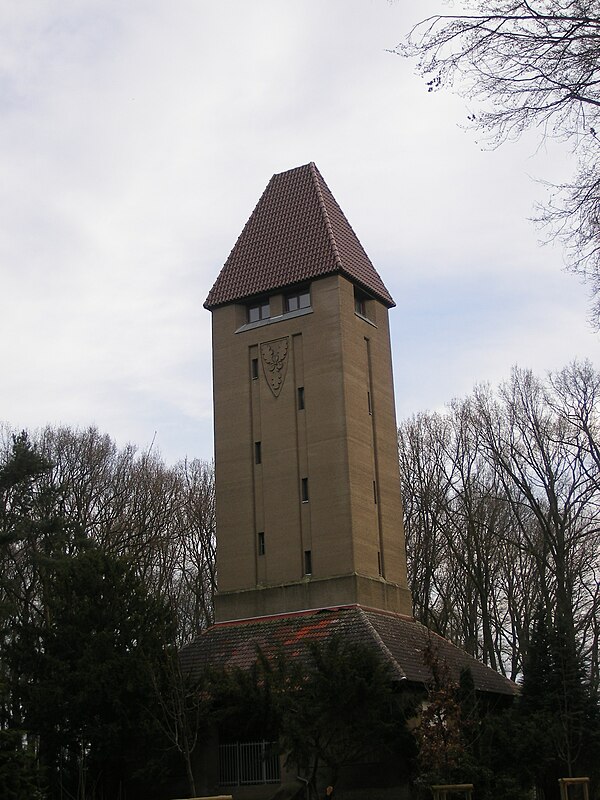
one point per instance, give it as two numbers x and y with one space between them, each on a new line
333 706
341 708
558 710
82 642
28 527
246 703
88 688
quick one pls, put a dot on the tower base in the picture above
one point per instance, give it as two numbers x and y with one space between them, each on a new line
311 593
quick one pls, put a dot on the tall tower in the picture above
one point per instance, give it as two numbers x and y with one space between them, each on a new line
310 544
309 512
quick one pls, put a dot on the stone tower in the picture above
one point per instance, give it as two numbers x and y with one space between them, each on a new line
309 513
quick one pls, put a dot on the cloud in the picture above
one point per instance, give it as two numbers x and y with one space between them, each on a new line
138 137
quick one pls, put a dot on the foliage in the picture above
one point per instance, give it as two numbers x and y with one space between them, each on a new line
127 503
502 503
551 731
442 749
340 709
530 64
85 677
463 739
558 711
503 753
18 770
334 707
95 550
245 703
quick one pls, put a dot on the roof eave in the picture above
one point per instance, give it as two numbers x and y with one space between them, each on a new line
387 301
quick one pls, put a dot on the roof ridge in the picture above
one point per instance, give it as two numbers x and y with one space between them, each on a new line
380 643
316 175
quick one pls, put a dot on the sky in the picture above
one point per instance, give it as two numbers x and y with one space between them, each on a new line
135 141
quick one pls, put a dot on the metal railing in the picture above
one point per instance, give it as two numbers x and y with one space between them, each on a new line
245 763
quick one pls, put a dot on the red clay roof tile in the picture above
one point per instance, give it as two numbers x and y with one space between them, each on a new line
296 233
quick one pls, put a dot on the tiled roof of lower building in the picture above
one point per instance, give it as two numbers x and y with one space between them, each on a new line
400 640
296 233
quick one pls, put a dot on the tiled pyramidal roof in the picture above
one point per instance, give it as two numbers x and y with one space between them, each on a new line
400 640
296 233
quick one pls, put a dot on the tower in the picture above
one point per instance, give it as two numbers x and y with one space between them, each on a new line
309 513
310 544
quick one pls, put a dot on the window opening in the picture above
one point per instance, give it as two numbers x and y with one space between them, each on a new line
379 562
307 562
369 402
259 311
301 398
257 453
360 303
261 543
298 300
254 369
305 490
374 493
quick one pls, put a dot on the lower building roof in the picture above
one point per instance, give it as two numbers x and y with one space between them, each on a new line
401 641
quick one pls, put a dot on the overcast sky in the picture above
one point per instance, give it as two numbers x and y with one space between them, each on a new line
135 140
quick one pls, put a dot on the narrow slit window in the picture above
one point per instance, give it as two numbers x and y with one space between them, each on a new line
369 406
257 453
260 537
254 368
301 398
374 492
379 562
307 562
305 490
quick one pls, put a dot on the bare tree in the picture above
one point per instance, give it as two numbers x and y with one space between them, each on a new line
421 444
194 585
182 711
574 395
502 514
541 465
530 64
476 523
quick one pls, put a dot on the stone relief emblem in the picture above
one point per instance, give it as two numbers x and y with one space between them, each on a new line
274 357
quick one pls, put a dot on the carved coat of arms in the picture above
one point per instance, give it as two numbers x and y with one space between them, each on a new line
274 358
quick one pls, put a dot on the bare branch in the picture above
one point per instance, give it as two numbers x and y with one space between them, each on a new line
530 65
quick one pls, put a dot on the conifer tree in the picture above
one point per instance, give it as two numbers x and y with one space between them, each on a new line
558 711
81 637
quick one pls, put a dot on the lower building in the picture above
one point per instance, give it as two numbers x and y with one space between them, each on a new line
256 768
